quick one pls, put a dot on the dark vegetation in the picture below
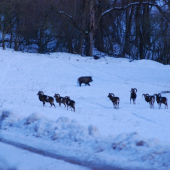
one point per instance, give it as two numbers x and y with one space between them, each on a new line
136 29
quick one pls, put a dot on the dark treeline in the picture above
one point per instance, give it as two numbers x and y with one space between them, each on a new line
138 29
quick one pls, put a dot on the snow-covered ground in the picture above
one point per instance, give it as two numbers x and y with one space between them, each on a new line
13 158
96 135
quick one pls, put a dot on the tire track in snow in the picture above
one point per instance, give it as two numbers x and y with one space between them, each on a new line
122 79
144 118
39 151
35 65
98 71
148 120
78 67
94 165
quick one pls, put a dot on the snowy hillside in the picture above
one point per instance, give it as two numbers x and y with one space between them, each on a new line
96 135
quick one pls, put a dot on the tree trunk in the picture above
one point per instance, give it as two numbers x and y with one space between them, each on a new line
83 24
16 43
11 37
87 45
3 38
91 35
129 14
141 46
92 26
3 43
81 40
99 44
138 30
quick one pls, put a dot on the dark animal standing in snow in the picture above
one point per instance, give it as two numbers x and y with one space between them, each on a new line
152 101
133 95
115 100
60 99
161 100
45 98
86 80
149 99
70 103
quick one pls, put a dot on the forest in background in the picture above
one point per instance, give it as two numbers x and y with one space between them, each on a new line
137 29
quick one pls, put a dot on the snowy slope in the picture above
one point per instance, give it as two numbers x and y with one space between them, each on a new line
95 135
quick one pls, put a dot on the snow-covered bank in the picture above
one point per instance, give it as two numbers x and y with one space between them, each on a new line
12 158
133 136
68 140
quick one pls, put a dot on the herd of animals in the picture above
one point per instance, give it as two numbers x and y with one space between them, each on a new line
115 100
148 98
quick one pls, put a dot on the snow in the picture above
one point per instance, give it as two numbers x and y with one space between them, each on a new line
19 159
96 135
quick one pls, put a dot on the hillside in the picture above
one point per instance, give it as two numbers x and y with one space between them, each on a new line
96 135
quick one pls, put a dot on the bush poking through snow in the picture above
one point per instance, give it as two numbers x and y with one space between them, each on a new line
93 131
55 135
5 113
140 143
32 118
126 141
